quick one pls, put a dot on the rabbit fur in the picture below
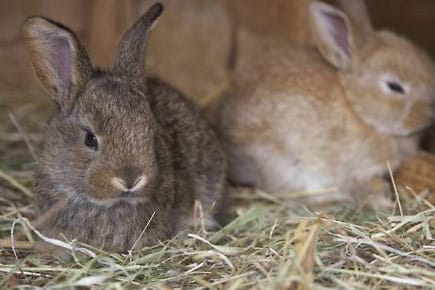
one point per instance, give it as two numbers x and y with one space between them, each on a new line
126 153
300 118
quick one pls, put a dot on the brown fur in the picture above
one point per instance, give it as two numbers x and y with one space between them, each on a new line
143 129
296 119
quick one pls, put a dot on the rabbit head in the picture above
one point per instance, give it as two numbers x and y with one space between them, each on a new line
388 81
100 145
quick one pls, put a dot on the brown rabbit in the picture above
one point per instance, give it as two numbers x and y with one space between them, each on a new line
119 149
334 115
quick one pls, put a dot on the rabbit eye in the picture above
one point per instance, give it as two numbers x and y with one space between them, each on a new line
91 140
396 88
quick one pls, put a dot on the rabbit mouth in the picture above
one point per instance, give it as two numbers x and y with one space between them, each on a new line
120 197
132 196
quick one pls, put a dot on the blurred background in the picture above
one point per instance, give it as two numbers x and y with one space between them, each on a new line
191 45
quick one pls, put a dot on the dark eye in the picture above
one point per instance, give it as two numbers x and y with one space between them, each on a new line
396 88
91 140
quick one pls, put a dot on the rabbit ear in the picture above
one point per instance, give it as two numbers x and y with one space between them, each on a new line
358 14
60 62
130 56
333 34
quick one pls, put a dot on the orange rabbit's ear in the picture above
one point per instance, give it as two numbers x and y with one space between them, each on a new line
59 60
333 34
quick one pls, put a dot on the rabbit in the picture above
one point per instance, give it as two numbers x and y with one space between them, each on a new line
327 116
125 154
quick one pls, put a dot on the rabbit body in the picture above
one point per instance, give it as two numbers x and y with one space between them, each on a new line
129 159
294 122
190 167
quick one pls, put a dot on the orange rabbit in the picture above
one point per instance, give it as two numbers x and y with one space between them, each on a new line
306 118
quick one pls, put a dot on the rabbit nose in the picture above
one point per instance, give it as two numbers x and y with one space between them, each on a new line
129 179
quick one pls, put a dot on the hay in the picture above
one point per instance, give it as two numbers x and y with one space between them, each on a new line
269 242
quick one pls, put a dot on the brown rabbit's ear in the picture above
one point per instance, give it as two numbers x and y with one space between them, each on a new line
357 11
60 62
130 56
333 34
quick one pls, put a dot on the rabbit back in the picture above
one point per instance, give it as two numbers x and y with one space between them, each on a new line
199 161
